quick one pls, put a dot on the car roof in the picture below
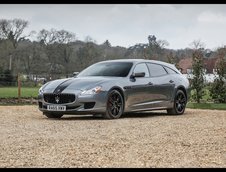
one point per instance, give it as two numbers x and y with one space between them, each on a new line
141 60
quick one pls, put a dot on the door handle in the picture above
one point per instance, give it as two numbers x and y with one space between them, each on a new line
171 81
150 83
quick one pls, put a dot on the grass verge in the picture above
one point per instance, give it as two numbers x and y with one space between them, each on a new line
211 106
12 92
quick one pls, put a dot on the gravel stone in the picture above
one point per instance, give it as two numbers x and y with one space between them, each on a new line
142 140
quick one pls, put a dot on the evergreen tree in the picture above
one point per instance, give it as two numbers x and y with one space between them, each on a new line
218 88
197 82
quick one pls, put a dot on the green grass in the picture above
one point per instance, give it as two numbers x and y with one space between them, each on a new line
12 92
206 102
217 106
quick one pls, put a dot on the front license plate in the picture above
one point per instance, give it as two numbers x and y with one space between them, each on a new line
56 108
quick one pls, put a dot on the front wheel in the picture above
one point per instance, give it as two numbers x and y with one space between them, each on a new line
180 102
115 105
52 115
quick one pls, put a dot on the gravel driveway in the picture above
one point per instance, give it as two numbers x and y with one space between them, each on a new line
195 139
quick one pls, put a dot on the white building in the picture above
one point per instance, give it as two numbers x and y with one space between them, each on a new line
209 78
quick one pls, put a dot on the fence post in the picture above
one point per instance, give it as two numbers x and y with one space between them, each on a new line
19 87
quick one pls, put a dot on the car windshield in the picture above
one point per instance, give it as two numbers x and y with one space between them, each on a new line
116 69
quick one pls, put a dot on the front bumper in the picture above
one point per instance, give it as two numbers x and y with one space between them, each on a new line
85 104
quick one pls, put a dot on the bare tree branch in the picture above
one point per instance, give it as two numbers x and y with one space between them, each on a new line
12 30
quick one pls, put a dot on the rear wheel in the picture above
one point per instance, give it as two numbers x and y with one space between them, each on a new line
52 115
115 105
180 102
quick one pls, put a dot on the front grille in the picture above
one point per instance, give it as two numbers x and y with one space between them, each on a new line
59 98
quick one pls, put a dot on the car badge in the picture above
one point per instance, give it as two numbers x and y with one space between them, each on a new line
57 99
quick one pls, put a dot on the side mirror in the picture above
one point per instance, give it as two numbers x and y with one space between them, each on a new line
75 73
135 75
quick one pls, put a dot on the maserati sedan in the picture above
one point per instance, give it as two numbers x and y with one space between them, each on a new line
114 87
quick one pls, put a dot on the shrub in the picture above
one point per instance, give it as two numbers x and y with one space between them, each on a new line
218 91
7 79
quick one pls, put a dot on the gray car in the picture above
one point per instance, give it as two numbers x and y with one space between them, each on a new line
114 87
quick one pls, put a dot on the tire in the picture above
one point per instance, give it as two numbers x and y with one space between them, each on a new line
52 115
180 102
115 105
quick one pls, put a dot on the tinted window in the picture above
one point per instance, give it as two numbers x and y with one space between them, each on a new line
156 70
118 69
142 67
170 71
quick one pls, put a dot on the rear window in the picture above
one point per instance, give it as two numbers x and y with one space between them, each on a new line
170 71
156 70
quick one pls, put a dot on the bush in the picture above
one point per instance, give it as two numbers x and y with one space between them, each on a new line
7 79
218 91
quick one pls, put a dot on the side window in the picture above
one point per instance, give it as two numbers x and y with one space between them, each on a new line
156 70
170 71
142 67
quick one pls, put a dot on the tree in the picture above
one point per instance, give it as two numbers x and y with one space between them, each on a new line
65 52
8 78
107 43
12 30
171 58
55 36
197 82
88 55
58 48
89 39
65 37
155 47
218 88
6 50
33 60
64 40
46 37
137 51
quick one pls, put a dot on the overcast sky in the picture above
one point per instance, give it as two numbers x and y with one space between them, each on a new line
128 24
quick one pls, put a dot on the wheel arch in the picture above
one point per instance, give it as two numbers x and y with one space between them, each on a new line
182 88
120 90
174 110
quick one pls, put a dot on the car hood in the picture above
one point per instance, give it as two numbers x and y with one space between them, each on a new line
81 83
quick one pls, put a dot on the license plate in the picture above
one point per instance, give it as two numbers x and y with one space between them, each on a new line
56 108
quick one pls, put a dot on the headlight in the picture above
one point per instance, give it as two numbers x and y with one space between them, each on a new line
40 91
92 91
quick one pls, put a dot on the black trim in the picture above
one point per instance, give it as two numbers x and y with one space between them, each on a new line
138 86
89 105
127 87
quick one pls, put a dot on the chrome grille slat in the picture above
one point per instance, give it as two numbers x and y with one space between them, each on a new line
58 98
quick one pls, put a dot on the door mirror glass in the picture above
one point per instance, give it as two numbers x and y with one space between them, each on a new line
75 73
139 74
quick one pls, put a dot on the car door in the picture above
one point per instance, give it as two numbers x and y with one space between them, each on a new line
138 89
162 86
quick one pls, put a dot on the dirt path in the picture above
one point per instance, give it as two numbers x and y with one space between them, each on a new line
29 139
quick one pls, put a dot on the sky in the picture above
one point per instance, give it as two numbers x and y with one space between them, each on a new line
128 24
